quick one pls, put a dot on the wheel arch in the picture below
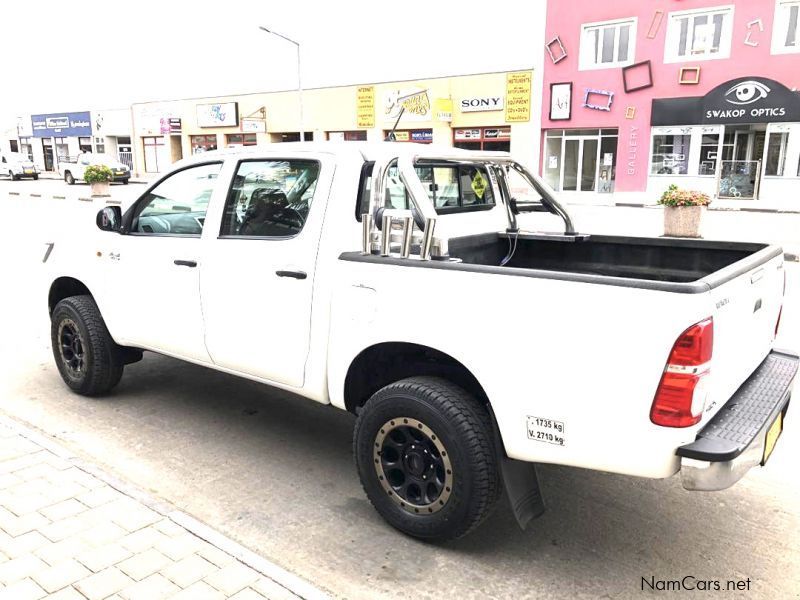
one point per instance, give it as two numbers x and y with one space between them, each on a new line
381 364
64 287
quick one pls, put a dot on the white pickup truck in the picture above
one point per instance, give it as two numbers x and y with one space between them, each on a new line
72 169
393 281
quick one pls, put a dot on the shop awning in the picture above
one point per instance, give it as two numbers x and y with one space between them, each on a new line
742 100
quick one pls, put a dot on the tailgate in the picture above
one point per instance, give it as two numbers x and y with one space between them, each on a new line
746 306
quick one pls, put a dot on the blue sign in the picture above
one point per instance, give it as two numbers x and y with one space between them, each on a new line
422 135
62 125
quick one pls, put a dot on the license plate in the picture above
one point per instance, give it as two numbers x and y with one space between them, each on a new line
28 171
120 173
773 434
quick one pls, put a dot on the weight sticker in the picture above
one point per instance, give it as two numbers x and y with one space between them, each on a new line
546 430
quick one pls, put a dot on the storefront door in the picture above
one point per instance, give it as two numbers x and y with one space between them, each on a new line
48 154
581 158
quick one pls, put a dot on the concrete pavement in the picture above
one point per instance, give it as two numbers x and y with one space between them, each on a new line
70 531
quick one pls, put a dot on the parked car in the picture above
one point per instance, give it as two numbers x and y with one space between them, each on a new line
16 166
393 281
72 169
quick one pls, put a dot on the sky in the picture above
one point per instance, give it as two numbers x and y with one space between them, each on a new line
89 55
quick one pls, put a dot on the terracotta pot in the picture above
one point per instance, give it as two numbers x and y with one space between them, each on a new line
100 189
682 221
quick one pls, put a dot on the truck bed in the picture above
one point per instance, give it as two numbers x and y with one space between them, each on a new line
652 259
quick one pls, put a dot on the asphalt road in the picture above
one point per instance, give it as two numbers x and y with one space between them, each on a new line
275 472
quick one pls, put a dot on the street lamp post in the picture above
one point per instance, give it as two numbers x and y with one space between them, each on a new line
299 82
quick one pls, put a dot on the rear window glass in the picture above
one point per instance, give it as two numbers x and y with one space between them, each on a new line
451 188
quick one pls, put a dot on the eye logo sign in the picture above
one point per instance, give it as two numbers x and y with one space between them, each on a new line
746 92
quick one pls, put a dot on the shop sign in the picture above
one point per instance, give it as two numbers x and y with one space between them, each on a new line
223 114
481 103
505 132
169 125
633 149
425 135
336 136
468 134
62 124
444 109
401 136
254 126
742 100
365 106
518 97
413 103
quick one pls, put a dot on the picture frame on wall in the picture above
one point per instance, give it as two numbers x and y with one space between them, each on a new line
561 101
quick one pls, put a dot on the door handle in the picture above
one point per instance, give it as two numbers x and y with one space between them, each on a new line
185 263
293 274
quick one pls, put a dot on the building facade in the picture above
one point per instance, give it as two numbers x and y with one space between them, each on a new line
49 138
702 94
492 111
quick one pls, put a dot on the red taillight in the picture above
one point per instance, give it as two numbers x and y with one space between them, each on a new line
680 398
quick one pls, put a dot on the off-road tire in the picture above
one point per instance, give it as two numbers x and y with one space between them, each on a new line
463 427
69 178
103 360
35 177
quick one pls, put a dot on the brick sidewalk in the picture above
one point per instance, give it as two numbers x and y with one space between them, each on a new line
69 531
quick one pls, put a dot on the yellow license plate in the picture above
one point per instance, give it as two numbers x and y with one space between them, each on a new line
772 436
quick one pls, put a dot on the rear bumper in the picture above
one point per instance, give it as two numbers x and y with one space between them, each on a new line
735 439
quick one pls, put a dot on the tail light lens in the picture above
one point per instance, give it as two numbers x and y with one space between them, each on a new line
681 395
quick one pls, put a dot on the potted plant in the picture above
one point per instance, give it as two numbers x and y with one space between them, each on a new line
98 177
683 210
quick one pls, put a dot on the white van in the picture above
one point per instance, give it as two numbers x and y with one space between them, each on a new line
17 166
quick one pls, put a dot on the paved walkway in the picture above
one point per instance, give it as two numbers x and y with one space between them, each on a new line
69 531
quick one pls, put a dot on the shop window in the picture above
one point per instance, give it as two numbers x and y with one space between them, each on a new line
420 136
154 154
786 28
12 144
84 144
203 143
294 136
709 153
240 139
492 139
776 153
100 145
608 44
670 155
581 160
347 136
699 34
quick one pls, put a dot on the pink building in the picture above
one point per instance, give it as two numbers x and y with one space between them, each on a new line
639 95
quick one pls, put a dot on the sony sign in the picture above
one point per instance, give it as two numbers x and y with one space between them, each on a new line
481 104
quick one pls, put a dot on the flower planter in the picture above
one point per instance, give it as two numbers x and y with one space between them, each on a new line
100 189
682 221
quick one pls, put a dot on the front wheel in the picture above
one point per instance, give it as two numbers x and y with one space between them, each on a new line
35 177
69 178
426 458
89 361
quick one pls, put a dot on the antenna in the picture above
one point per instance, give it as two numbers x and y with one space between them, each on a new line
391 137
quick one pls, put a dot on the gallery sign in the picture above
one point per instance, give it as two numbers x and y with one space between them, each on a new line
62 124
223 114
481 103
742 100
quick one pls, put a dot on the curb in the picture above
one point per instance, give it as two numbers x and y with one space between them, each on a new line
291 582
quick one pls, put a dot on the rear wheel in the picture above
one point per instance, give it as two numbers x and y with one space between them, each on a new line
89 361
425 454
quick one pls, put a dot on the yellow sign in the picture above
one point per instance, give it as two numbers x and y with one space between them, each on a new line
401 136
365 106
478 185
518 97
444 109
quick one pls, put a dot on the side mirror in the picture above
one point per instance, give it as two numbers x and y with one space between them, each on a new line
109 218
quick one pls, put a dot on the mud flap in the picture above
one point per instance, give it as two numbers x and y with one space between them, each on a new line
522 489
521 484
